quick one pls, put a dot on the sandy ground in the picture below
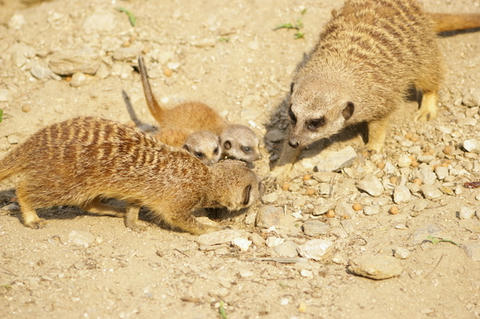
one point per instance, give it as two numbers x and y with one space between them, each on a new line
226 54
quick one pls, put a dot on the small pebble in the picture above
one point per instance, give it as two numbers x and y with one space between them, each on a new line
466 212
274 241
401 194
472 145
431 192
371 185
306 273
376 267
371 210
357 207
26 108
401 252
315 249
394 210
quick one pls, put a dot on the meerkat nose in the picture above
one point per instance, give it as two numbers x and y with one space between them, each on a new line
293 143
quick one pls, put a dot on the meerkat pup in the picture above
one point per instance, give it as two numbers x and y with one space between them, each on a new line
79 161
177 123
367 57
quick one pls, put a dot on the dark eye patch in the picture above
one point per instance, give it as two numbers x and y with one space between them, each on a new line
246 194
313 125
215 151
292 116
227 145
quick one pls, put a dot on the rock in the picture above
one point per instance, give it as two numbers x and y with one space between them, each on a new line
442 172
404 160
331 161
122 70
67 62
371 185
431 192
425 158
256 239
275 135
420 204
472 145
78 79
401 194
13 139
241 243
472 250
472 98
271 198
306 273
20 53
344 210
466 212
128 53
80 238
273 241
421 234
4 95
315 228
427 176
324 189
401 252
16 22
42 72
99 21
371 210
269 216
286 249
376 267
206 241
315 249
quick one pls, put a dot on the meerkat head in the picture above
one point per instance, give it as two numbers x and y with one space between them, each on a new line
205 146
319 107
240 142
235 185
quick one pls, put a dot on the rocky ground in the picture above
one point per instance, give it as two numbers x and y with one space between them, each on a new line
405 217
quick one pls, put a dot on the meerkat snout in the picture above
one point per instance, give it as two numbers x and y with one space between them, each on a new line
205 146
240 142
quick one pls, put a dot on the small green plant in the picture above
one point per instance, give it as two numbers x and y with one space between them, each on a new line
294 26
1 115
221 311
131 17
435 240
224 39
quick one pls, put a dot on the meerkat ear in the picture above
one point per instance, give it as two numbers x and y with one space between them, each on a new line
227 145
348 110
185 146
246 194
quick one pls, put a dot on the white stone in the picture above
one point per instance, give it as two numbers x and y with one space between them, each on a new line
80 238
402 253
331 161
466 212
371 210
371 185
16 22
306 273
241 243
315 249
375 266
274 241
4 95
472 145
473 250
442 172
431 192
427 176
401 194
404 160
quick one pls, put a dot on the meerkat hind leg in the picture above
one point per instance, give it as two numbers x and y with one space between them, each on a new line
428 107
131 218
29 215
377 131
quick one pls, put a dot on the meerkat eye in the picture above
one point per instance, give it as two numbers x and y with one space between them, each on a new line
314 124
348 110
215 151
246 194
227 145
246 149
293 118
199 154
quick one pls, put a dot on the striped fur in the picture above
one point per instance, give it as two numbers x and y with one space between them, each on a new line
80 160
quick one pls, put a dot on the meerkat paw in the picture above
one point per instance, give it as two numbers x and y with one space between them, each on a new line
428 107
137 228
36 223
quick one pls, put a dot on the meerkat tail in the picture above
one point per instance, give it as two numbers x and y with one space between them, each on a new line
155 108
452 22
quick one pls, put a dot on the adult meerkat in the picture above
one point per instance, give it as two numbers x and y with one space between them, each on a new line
177 123
367 57
81 160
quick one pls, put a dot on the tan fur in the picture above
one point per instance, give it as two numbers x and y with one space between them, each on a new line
79 161
368 55
445 22
177 123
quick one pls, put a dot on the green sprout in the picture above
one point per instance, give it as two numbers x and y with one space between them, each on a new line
435 240
221 311
131 17
290 26
1 115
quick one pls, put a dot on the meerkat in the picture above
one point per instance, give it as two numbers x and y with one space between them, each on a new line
367 57
183 119
205 146
79 161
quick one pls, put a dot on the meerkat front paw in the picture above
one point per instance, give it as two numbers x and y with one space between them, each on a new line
36 224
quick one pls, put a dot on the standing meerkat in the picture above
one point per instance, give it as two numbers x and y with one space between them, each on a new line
81 160
367 57
177 123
